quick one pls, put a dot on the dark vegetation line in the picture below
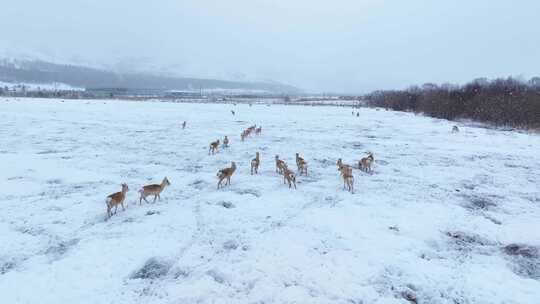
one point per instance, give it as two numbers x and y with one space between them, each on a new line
501 102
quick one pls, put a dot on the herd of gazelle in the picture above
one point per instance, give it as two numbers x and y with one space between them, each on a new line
224 175
118 198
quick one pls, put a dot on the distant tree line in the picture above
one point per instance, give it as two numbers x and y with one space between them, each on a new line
501 102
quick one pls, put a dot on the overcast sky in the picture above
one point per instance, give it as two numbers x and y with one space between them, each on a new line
340 45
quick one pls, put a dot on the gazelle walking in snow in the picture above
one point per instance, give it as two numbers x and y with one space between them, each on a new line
226 174
289 177
153 189
116 199
225 142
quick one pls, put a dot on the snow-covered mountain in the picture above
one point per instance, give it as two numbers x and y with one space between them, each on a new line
43 72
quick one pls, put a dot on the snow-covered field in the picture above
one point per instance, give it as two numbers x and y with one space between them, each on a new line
444 218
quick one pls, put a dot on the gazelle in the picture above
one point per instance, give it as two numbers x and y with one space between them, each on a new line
348 178
116 199
301 164
258 131
213 147
455 129
153 189
225 142
226 174
289 177
280 165
255 164
340 165
346 174
365 163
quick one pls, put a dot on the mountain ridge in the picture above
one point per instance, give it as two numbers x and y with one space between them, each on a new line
40 71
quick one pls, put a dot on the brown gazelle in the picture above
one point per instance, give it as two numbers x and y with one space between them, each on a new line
226 174
225 142
340 165
301 164
365 163
346 174
280 165
348 178
213 147
116 199
255 164
258 131
153 189
289 177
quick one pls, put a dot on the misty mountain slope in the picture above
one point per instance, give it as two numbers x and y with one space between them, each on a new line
443 218
45 72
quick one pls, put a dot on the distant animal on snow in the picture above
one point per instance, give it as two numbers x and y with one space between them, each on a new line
255 164
213 147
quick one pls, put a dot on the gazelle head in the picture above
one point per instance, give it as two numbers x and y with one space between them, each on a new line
166 181
125 188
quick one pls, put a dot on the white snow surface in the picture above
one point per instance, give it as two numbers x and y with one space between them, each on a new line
429 224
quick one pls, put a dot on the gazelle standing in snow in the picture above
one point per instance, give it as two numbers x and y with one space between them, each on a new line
116 199
365 163
213 147
346 175
225 142
280 164
255 164
153 189
301 164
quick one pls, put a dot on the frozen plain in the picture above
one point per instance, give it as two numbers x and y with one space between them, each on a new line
444 218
